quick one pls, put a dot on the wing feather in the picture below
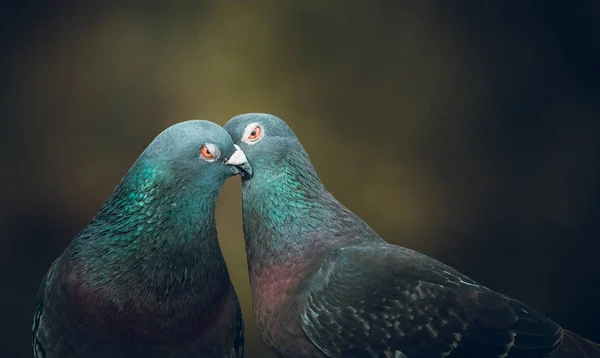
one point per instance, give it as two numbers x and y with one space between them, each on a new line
386 301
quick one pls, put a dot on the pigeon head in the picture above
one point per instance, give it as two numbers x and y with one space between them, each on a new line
267 141
171 190
186 149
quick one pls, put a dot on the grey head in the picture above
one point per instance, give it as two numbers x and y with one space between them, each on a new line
194 146
267 141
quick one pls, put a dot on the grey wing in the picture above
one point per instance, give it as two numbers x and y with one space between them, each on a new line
37 330
386 301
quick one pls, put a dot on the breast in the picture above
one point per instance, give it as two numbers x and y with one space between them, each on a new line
277 299
280 327
137 312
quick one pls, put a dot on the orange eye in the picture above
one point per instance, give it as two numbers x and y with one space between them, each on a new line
255 134
206 153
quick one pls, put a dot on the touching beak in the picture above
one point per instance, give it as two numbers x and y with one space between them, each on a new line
240 163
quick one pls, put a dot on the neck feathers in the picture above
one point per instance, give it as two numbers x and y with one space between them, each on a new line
290 218
154 236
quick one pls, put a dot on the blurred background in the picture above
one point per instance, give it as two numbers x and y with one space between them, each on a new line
465 130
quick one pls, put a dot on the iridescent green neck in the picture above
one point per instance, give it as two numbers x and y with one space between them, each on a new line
153 202
150 255
289 213
283 197
157 221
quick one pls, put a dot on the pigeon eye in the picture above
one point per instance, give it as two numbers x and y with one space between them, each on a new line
206 153
209 152
255 133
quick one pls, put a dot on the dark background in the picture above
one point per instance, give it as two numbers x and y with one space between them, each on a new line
465 130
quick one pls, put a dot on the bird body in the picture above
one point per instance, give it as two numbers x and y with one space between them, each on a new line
146 277
325 284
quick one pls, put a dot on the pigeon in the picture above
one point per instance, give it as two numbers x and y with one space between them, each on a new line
325 284
146 277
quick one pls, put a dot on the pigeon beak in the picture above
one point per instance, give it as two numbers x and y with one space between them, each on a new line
239 163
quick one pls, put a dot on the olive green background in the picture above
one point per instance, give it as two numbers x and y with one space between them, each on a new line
465 130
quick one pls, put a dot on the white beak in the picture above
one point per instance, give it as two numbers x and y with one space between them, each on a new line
237 158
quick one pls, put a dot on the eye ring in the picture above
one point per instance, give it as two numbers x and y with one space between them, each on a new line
209 152
253 133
